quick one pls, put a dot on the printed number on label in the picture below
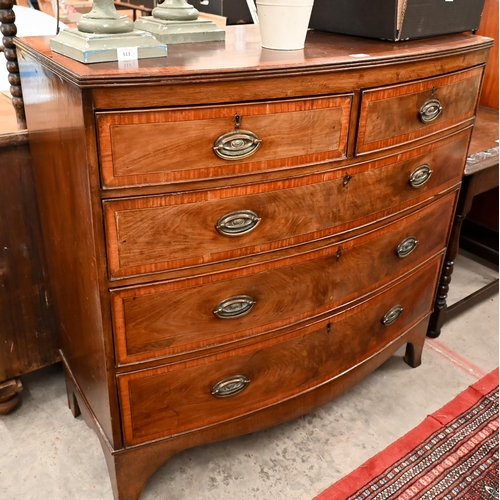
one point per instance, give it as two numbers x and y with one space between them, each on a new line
127 53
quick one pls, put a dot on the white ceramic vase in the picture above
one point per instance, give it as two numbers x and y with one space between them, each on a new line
284 23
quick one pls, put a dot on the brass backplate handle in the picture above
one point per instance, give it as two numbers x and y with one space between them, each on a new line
234 307
407 246
430 110
392 315
420 176
230 386
237 223
236 145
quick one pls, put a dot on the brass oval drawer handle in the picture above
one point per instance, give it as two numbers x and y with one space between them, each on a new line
392 315
237 223
407 246
430 110
237 145
420 176
234 307
230 386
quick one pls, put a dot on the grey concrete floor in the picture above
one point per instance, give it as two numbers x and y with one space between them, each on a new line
47 454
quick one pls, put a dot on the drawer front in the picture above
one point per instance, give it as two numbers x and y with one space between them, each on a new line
178 397
164 319
160 233
177 145
402 113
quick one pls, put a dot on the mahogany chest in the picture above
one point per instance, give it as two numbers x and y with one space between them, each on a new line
235 236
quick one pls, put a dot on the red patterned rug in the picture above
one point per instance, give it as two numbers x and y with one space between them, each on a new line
452 454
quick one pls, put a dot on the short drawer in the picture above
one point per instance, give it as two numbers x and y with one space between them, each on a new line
178 145
160 233
402 113
180 397
193 314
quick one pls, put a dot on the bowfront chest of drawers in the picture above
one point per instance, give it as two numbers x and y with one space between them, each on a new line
236 236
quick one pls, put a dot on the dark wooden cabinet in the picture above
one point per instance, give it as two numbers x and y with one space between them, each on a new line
236 236
27 334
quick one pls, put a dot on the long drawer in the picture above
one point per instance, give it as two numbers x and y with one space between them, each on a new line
159 233
401 113
182 144
191 314
180 397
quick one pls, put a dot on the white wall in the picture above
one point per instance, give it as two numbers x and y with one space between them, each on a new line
29 22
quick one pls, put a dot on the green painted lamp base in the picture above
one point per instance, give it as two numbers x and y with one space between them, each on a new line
199 30
92 47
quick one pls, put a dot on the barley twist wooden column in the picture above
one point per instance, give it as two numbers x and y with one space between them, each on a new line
9 31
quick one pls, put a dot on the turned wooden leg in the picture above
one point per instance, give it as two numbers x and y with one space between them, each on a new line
9 30
440 307
9 395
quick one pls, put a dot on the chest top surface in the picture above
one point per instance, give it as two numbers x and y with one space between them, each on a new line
242 53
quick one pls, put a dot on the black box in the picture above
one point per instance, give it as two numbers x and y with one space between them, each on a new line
396 19
235 11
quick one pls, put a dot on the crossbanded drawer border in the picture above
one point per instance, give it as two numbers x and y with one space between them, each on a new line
123 379
205 164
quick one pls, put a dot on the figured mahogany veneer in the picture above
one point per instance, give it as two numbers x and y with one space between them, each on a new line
278 279
159 320
176 145
390 116
153 234
177 397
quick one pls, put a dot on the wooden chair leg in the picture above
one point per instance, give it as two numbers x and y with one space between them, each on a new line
440 307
